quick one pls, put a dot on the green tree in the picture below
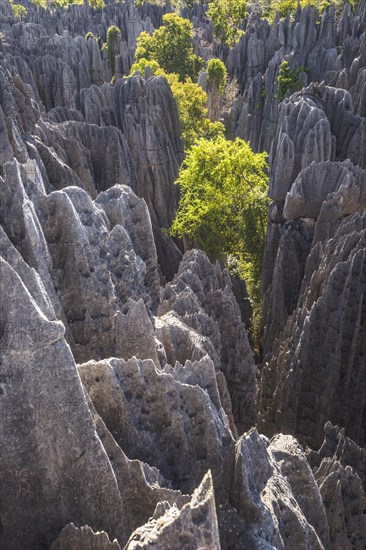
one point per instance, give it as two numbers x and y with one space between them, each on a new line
91 35
288 81
191 101
95 4
172 47
283 7
18 10
113 33
224 205
217 74
226 17
216 81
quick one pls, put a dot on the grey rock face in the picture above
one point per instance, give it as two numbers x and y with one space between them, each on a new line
63 78
110 260
331 49
344 180
303 137
147 115
166 378
317 183
47 460
339 469
193 527
83 538
328 327
149 411
201 295
310 179
275 490
99 157
47 416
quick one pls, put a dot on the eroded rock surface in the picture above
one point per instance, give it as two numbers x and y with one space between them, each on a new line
193 527
339 469
119 391
201 295
83 538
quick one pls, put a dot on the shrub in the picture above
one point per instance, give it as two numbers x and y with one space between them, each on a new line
288 81
18 11
112 35
217 74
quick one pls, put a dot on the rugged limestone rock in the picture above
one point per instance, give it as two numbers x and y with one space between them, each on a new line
332 50
84 539
193 527
276 493
149 413
317 130
166 380
318 368
110 241
50 450
147 115
344 180
201 295
100 157
62 77
340 471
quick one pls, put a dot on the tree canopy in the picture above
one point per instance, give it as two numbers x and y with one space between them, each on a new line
217 74
171 46
113 33
288 81
226 17
95 4
224 204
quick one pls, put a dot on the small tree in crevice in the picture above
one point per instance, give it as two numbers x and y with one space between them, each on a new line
288 81
216 81
112 36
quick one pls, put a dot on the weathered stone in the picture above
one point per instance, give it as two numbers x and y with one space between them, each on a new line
201 295
149 413
191 528
83 538
50 450
276 493
340 471
316 370
172 375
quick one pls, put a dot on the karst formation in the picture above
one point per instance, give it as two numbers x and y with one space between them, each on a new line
134 411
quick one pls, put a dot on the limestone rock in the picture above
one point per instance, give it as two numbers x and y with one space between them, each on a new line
303 137
79 230
193 527
147 114
83 538
276 493
48 461
305 199
317 370
100 157
201 295
149 412
340 471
